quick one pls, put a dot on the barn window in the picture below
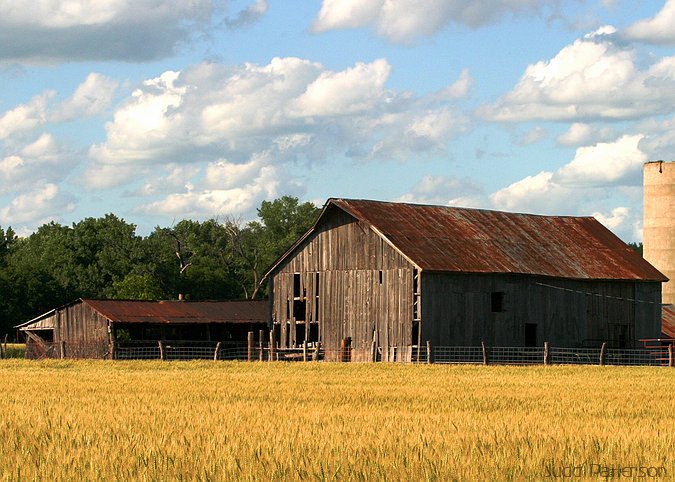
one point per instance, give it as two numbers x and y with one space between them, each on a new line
316 297
296 285
530 334
497 301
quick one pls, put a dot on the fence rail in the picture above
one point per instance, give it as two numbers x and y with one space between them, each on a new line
661 355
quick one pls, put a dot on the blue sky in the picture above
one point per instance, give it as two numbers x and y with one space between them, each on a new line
163 110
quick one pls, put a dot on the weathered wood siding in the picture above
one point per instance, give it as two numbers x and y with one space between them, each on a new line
79 323
457 310
353 284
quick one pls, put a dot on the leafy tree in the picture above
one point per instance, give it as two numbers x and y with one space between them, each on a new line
138 287
260 243
637 247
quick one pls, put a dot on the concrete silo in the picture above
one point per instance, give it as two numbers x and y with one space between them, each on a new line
659 221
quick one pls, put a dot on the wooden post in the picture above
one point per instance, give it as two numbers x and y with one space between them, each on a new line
373 352
2 355
485 353
547 354
161 350
430 357
602 353
63 349
272 344
670 355
113 347
261 338
216 351
315 356
6 335
304 351
249 342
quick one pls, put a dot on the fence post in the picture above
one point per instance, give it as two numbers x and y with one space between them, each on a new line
63 349
261 338
304 351
315 356
547 354
216 351
373 352
670 355
112 349
485 353
249 343
430 354
161 350
602 353
272 344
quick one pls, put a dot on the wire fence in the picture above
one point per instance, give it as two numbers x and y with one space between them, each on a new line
214 350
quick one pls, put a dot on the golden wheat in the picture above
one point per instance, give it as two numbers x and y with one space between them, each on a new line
102 420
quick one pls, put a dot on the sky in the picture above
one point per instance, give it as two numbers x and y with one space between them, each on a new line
163 110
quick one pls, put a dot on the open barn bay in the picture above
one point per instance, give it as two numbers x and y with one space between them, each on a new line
102 420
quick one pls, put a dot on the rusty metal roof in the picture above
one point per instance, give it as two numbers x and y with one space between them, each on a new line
181 311
668 321
442 239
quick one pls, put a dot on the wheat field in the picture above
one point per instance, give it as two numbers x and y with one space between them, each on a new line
104 420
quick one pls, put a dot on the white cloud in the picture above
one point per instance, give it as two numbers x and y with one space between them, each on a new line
25 117
595 173
36 206
293 110
91 97
47 30
606 163
242 189
405 20
658 30
533 136
580 133
593 78
458 90
450 191
351 91
249 15
42 161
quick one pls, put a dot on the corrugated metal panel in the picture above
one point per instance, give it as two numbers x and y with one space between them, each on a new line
668 321
447 239
181 311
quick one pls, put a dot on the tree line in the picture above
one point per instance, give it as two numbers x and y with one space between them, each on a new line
104 258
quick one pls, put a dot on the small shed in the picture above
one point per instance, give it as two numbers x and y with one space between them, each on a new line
391 276
88 328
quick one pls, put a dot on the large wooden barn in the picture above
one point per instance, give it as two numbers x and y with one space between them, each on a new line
395 275
87 328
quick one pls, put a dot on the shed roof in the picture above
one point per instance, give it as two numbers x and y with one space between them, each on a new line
450 239
178 312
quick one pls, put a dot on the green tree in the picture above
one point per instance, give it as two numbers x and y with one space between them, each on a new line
260 243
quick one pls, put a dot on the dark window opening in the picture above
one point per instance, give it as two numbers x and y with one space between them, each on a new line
415 332
530 334
299 334
313 332
316 297
380 276
497 301
296 285
299 308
